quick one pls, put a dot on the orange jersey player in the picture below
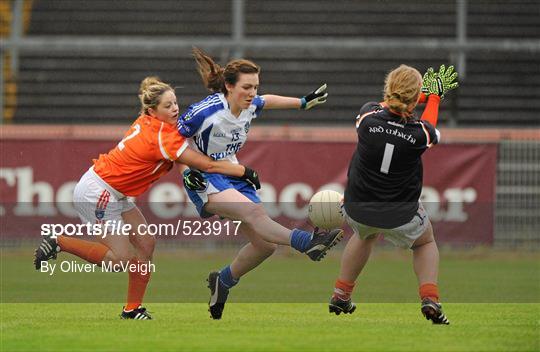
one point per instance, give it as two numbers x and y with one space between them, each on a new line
148 151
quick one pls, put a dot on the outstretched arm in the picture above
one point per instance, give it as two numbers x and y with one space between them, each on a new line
308 101
434 86
279 102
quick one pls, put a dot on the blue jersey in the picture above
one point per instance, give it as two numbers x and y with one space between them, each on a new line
214 130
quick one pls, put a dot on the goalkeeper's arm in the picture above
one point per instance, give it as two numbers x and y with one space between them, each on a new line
431 111
423 98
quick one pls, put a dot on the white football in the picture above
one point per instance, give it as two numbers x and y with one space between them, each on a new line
325 209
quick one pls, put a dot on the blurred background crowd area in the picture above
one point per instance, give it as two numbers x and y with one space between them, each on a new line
81 61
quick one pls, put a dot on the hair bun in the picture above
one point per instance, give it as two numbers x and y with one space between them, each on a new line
147 82
150 92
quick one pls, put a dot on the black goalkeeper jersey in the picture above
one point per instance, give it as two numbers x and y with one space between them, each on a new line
385 173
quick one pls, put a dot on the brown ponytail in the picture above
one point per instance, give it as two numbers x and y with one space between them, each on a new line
214 76
211 73
402 88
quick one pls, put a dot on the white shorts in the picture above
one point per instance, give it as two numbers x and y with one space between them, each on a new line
96 201
402 236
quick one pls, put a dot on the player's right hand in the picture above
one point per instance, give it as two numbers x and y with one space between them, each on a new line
194 180
252 177
447 79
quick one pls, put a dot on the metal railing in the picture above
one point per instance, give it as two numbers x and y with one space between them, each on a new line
517 219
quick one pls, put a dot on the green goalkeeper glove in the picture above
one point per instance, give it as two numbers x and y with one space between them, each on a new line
314 98
429 82
447 79
439 83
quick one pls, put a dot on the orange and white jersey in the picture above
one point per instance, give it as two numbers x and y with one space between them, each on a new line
146 153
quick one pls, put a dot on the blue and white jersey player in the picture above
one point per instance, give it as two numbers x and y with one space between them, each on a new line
218 127
213 130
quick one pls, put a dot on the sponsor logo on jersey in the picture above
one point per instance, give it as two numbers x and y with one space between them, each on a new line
393 132
395 124
185 127
100 213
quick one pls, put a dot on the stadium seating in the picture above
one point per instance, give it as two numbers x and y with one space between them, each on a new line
62 87
131 17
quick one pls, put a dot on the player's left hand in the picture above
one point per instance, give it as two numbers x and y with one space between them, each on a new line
314 98
252 177
194 180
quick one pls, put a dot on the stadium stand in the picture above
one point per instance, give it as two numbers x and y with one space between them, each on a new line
351 18
63 87
131 17
503 19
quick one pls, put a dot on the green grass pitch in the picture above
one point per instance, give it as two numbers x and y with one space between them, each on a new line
491 299
269 327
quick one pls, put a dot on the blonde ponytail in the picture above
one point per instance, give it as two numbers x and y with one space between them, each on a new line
402 88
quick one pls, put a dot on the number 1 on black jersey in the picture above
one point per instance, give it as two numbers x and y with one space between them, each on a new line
387 158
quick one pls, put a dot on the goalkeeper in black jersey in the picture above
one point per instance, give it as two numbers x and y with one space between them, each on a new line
385 181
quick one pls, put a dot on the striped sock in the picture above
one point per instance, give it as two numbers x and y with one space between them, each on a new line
226 278
300 240
343 289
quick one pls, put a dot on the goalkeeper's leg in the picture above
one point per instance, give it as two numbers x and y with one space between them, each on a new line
426 268
353 260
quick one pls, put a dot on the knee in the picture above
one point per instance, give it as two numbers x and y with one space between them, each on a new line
266 249
145 247
117 257
254 214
